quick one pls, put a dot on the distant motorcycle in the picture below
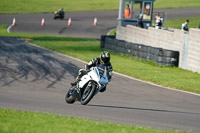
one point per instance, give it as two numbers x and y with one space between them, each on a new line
59 15
88 86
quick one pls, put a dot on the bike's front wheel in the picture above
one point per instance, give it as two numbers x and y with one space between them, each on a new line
88 94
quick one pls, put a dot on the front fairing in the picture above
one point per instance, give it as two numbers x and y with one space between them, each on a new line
94 74
97 74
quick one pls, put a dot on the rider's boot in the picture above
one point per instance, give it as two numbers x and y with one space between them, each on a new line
76 81
81 73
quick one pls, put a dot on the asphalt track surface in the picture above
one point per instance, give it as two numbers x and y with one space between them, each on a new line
82 22
36 79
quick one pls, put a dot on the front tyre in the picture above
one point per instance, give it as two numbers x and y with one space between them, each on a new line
69 97
88 94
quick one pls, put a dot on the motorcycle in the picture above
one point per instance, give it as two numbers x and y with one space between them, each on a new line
58 15
88 86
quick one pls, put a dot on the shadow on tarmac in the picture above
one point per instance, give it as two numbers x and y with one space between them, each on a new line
140 109
21 61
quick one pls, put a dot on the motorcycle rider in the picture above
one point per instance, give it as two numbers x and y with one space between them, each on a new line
104 59
59 14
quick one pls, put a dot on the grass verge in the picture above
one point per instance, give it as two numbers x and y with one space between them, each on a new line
112 32
35 6
176 3
176 23
86 49
28 122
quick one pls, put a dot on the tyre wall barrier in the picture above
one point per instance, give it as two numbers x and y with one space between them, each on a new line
160 56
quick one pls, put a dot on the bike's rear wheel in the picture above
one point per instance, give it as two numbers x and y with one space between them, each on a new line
88 94
69 96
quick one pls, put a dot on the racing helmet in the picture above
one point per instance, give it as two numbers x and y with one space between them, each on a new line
105 57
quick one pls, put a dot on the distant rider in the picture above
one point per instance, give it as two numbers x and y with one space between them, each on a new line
104 60
61 12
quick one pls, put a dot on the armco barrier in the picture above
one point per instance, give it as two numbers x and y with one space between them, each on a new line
160 56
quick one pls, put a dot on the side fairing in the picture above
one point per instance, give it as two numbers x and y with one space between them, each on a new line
92 75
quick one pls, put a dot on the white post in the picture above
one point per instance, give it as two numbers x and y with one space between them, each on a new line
121 12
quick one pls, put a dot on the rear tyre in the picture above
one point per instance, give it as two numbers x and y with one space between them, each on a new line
69 97
88 94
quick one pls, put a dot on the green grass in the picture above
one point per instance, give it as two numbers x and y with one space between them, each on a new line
38 6
28 122
176 23
176 3
86 49
112 32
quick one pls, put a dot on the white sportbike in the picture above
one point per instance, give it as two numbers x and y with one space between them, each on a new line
88 86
